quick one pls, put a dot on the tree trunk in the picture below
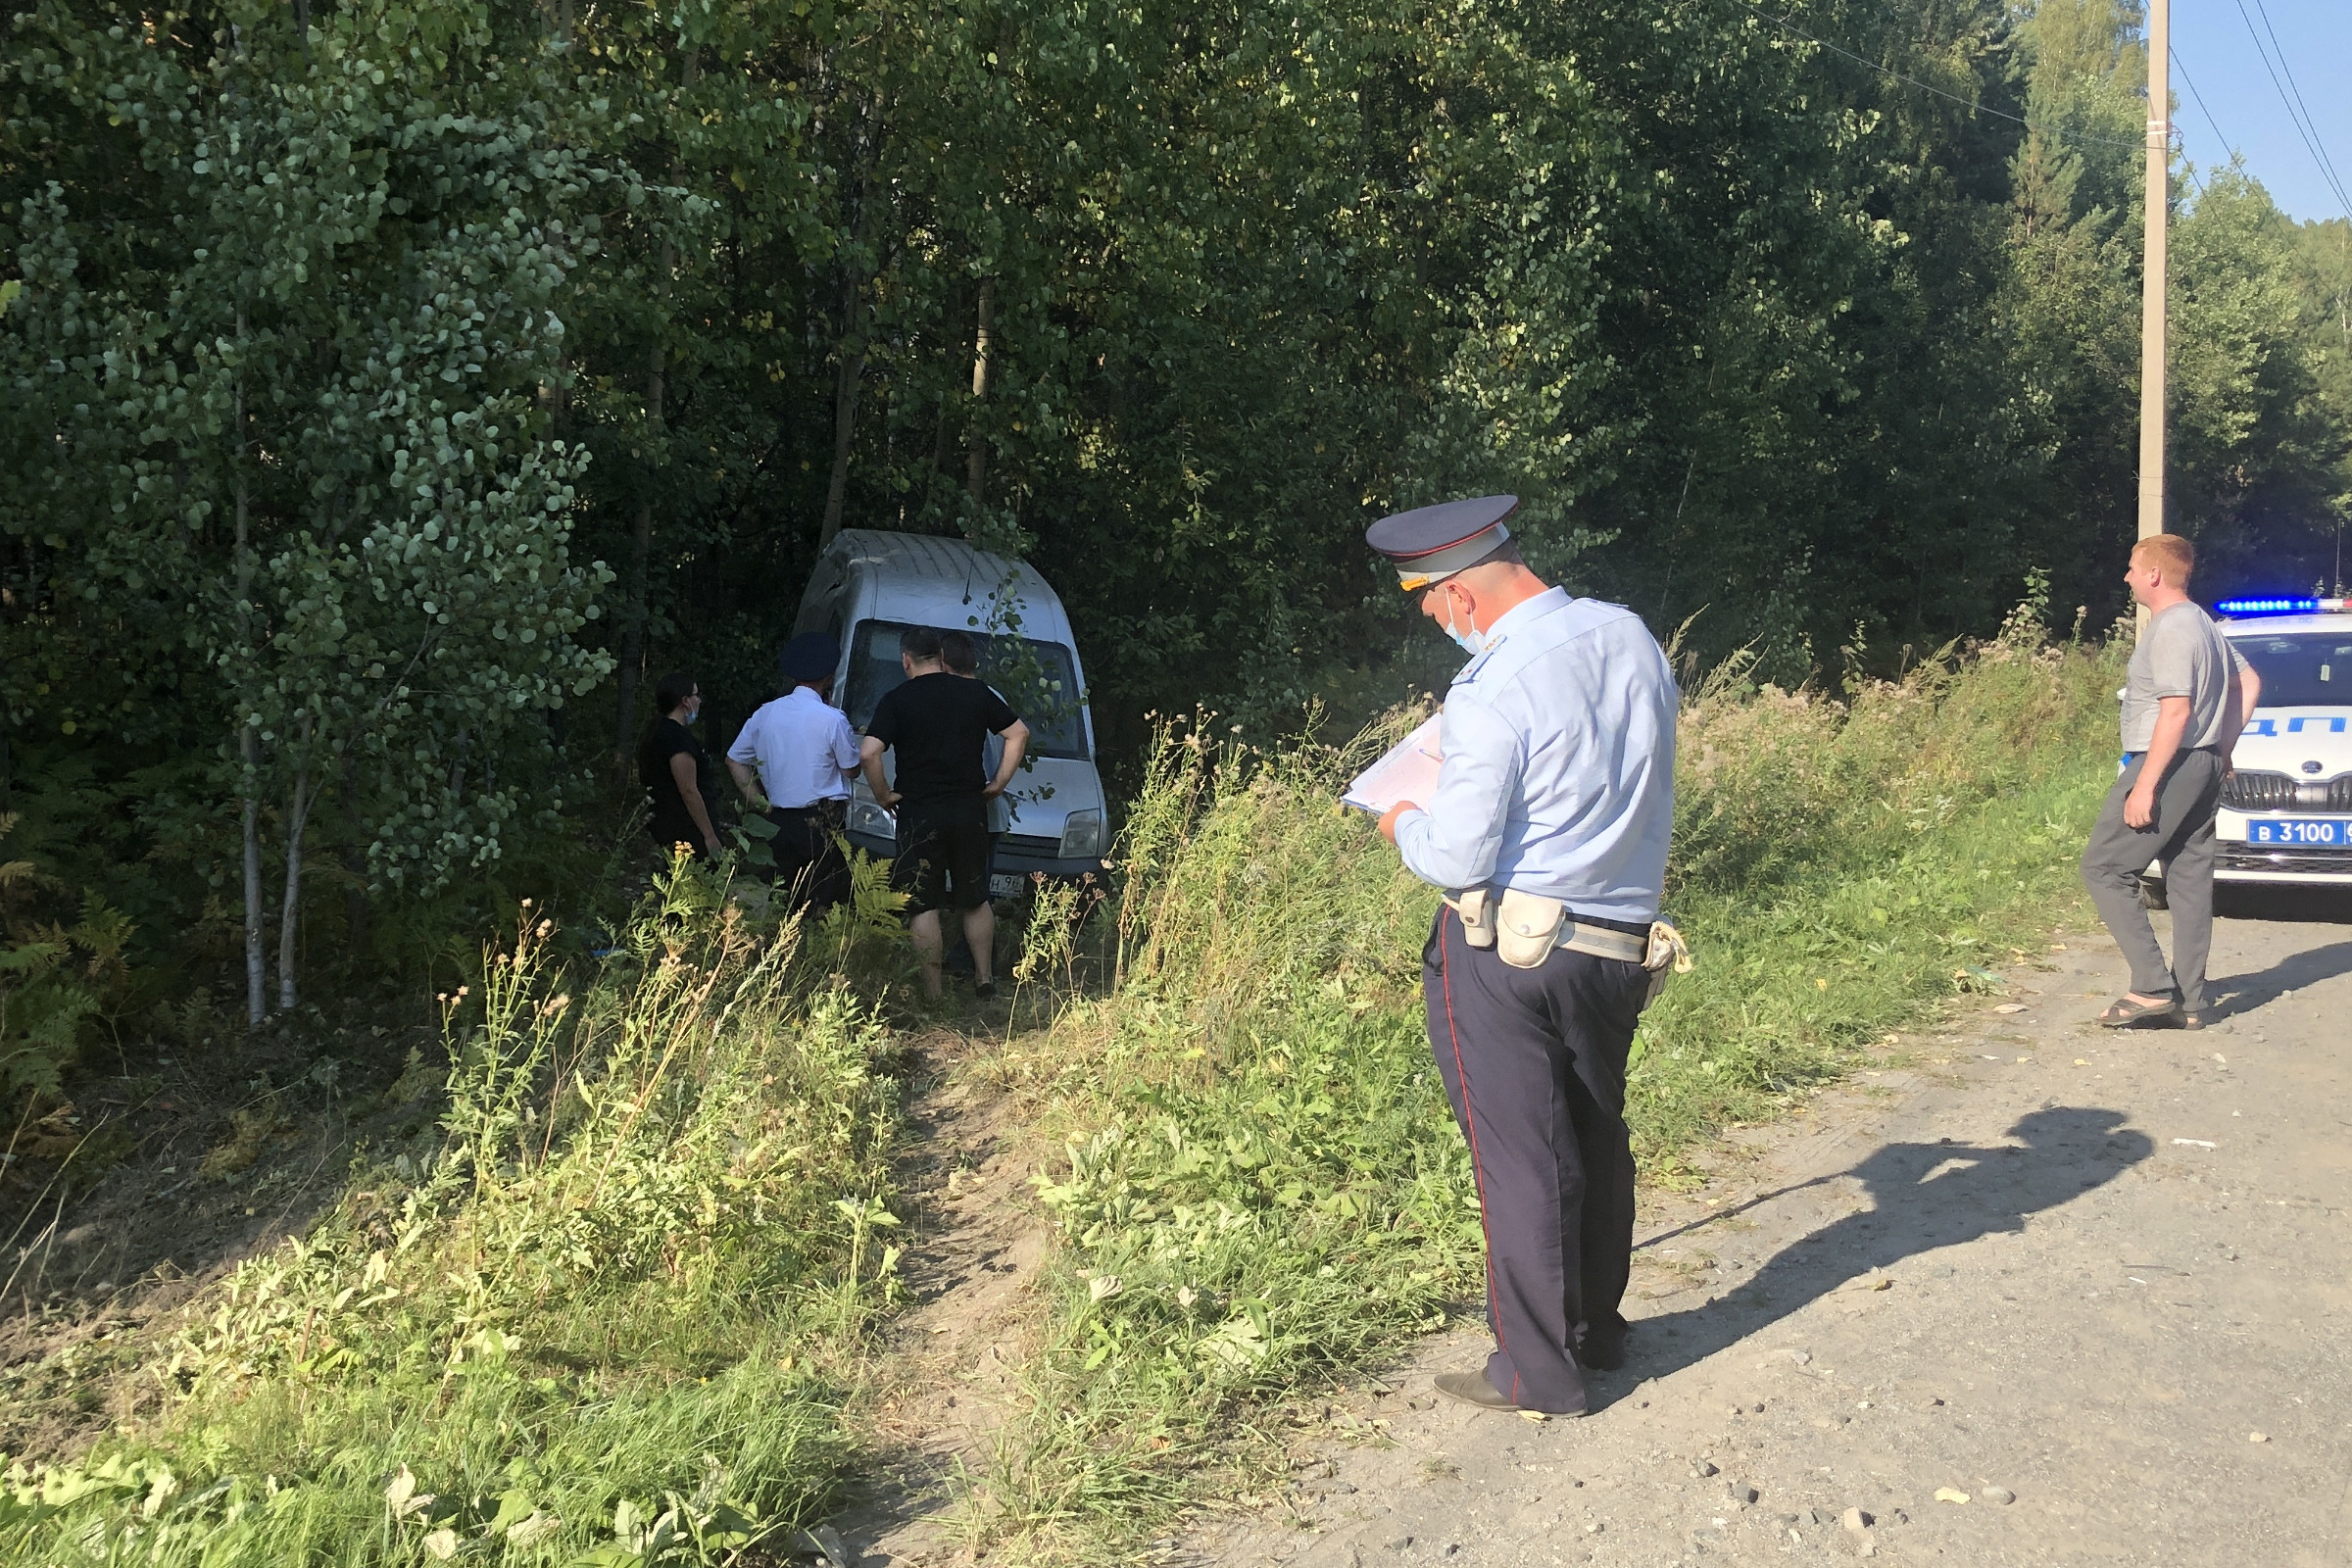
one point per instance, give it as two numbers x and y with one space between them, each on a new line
845 425
249 739
358 935
856 277
943 435
7 763
256 993
641 543
299 796
975 477
641 547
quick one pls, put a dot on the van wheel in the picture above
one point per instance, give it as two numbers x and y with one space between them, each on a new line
2151 894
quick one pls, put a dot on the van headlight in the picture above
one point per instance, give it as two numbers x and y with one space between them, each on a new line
867 817
1082 836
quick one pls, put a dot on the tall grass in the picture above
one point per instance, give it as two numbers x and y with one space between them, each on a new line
1262 1183
590 1320
604 1313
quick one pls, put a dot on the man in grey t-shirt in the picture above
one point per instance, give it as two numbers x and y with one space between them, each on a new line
2186 698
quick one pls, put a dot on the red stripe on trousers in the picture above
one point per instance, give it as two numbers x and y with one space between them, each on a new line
1478 1172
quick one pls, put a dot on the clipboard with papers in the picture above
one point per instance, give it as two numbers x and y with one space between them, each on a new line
1407 771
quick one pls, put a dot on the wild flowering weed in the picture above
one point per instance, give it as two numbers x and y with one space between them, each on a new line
1262 1183
587 1319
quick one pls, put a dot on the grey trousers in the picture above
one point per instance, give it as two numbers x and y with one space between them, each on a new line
2181 836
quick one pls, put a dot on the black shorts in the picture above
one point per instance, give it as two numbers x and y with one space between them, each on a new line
943 855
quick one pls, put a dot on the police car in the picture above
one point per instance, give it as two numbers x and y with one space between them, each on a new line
2286 808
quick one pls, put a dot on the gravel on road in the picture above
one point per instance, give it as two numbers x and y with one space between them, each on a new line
2045 1294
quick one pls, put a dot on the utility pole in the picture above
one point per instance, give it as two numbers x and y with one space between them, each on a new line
2152 297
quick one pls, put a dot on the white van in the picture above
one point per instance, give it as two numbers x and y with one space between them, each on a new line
870 586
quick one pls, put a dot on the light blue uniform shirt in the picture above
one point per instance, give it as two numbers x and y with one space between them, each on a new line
1558 770
802 747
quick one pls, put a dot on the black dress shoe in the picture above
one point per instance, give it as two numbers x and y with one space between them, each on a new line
1601 1356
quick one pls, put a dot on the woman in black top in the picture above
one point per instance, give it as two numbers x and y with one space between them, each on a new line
676 772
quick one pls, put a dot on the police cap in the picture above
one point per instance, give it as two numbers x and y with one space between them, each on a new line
1430 544
810 657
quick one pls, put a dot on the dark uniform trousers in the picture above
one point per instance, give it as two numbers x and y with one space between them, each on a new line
809 866
1534 1062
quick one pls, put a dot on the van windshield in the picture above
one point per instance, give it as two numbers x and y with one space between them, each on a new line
1037 680
2300 669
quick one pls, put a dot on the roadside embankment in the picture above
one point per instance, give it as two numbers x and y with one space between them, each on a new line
615 1303
596 1314
1261 1185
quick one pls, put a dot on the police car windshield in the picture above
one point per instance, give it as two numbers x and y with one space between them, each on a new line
2301 670
1037 680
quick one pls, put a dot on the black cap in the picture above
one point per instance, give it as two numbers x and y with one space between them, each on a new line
1430 544
810 657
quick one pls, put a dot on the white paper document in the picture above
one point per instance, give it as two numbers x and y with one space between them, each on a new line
1409 772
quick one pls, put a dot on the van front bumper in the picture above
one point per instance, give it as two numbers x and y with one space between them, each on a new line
1013 863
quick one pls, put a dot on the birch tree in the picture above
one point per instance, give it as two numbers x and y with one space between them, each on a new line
307 405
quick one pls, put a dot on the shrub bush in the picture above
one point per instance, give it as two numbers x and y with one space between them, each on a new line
589 1319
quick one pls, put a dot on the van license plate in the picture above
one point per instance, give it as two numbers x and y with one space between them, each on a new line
2301 830
1005 885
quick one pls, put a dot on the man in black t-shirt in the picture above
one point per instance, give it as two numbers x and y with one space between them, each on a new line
937 721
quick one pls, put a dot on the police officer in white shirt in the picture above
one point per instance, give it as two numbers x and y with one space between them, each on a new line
1549 828
804 755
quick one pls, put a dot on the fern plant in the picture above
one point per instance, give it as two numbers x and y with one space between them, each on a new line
55 978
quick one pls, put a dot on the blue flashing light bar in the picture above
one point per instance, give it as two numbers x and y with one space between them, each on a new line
2279 606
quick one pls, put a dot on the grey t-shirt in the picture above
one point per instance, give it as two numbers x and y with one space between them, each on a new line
2180 655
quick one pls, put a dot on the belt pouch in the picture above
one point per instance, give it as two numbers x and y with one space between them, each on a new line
1527 927
1666 954
1476 906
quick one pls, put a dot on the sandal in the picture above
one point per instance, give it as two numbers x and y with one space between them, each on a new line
2124 1013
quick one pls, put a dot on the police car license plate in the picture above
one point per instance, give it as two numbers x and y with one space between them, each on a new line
2301 830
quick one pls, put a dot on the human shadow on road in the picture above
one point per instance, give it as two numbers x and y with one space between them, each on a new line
2233 995
1927 1196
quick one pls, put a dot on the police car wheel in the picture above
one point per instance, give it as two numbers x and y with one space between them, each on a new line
2151 894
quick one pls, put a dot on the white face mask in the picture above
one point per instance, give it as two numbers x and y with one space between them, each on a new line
1473 640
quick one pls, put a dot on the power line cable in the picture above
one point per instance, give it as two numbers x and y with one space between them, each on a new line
2319 146
2326 173
1969 104
2191 83
2188 167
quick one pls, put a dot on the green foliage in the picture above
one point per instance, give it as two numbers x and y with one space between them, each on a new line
316 321
62 969
589 1316
288 313
1263 1184
1837 865
2263 445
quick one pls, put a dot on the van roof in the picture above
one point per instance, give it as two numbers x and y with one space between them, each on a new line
912 571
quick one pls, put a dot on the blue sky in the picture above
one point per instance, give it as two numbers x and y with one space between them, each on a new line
2213 44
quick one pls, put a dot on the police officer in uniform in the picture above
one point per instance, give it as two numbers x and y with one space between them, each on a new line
1549 828
794 762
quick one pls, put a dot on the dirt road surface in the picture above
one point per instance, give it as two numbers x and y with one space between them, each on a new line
2092 1291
